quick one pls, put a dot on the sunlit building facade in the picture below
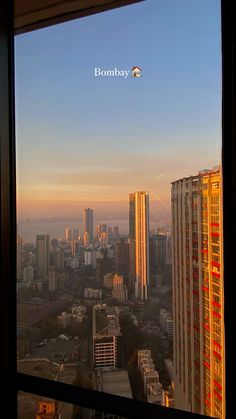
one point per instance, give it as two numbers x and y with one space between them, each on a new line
139 243
197 254
68 233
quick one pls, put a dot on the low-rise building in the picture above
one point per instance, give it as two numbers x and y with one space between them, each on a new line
67 319
93 293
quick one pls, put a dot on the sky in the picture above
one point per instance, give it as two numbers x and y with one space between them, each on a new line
86 141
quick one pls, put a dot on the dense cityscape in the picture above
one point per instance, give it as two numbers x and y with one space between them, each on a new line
138 315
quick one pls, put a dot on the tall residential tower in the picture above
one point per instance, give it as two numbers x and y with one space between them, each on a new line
88 223
43 254
198 294
19 258
139 243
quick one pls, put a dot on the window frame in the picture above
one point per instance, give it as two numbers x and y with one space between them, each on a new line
12 380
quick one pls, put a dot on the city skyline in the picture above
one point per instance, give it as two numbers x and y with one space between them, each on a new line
90 141
120 274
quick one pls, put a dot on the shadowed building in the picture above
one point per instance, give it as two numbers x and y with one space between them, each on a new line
42 254
19 258
122 257
88 223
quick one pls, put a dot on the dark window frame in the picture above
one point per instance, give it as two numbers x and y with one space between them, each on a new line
13 381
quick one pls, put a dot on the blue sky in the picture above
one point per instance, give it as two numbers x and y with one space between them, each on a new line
87 141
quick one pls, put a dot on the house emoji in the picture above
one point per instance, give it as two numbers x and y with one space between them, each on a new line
136 71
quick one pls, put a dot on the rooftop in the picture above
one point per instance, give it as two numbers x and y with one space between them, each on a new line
106 321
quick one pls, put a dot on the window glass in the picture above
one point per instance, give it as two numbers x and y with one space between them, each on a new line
119 198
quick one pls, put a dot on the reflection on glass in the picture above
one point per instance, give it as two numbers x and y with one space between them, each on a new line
31 406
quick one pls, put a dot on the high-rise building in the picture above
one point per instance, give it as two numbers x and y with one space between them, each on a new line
122 257
58 259
199 381
68 233
88 222
104 265
42 254
100 228
52 278
119 290
108 349
166 322
86 239
19 258
54 244
158 251
104 239
28 273
75 233
75 248
139 243
116 233
88 257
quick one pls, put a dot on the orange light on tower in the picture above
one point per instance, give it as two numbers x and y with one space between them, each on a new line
197 252
139 242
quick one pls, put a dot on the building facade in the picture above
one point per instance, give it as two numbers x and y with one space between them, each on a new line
139 243
19 258
119 290
68 233
122 257
150 377
199 381
88 222
166 322
42 254
108 351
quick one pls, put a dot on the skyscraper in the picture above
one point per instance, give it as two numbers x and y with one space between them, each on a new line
75 248
122 257
158 251
75 233
101 228
198 294
139 243
42 254
86 239
68 233
54 244
19 258
116 233
88 222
